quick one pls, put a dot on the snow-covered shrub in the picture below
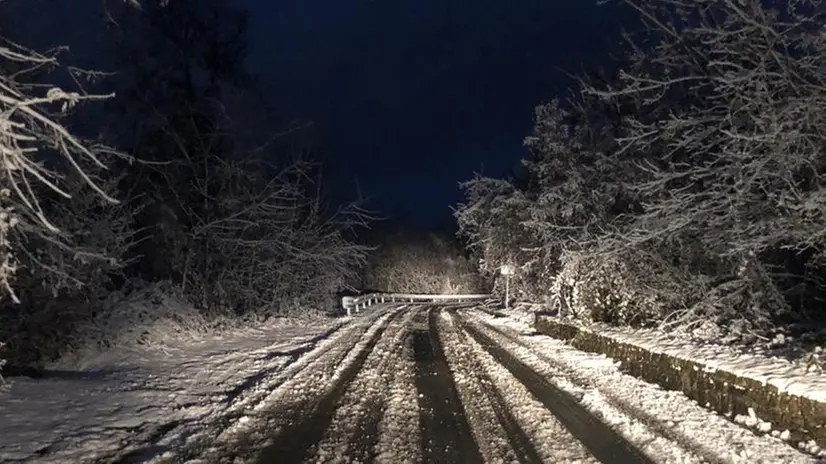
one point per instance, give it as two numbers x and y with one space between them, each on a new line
642 288
260 241
629 290
8 262
40 328
743 307
65 274
147 314
92 243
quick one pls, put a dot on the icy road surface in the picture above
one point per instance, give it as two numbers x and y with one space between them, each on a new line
397 384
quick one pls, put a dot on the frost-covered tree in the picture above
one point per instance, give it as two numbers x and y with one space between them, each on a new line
42 161
235 218
728 137
176 60
492 223
675 191
63 234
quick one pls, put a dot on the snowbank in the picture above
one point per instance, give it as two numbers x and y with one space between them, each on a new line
732 383
138 402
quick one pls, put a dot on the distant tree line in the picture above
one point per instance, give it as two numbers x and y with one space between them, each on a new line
685 191
405 260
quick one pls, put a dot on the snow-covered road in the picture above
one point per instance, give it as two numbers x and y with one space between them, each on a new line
397 384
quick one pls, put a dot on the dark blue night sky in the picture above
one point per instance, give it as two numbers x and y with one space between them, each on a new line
412 96
408 97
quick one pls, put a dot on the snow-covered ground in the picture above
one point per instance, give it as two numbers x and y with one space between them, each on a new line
363 404
346 390
142 402
472 368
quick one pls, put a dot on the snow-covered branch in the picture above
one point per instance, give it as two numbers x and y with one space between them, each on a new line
38 157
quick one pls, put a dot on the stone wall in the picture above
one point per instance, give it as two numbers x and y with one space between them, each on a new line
721 391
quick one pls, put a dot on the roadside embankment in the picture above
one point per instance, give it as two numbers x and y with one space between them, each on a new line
770 395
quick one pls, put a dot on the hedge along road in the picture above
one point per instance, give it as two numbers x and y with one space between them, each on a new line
423 383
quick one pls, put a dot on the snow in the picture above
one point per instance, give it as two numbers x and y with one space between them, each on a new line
203 401
304 383
369 390
399 427
147 401
632 405
229 396
553 442
487 431
789 377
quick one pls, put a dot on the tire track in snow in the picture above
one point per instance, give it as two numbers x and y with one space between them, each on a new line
601 440
307 410
266 366
446 434
399 433
354 431
250 424
657 426
630 401
496 429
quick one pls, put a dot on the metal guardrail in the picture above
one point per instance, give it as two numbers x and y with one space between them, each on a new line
356 303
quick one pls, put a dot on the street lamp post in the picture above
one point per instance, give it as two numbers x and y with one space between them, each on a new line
507 270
